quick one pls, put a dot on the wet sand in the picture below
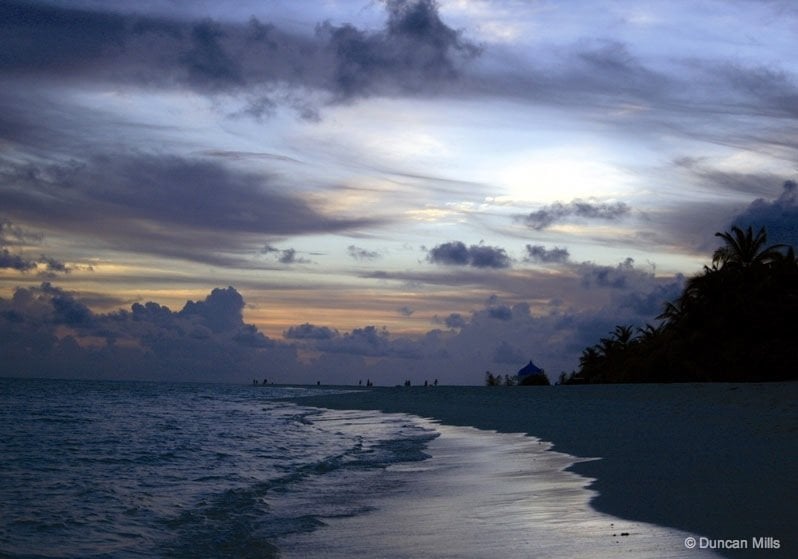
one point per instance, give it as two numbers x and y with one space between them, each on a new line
717 461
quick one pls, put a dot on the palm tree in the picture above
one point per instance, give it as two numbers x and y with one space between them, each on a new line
650 332
673 312
623 335
743 249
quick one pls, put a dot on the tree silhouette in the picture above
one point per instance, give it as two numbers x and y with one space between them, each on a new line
732 322
744 249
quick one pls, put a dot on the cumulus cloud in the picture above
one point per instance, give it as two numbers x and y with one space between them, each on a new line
587 209
48 331
539 253
498 310
371 341
455 320
779 217
456 253
617 277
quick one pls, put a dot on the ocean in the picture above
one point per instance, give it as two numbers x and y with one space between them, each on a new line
94 469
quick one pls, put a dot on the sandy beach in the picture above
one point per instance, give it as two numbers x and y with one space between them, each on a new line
713 460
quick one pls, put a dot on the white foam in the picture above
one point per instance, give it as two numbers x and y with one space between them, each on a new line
487 494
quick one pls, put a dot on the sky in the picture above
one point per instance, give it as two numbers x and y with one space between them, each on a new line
384 190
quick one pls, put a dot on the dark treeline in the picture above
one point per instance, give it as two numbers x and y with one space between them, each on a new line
735 321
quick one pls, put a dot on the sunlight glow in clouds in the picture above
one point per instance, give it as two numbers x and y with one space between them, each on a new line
377 170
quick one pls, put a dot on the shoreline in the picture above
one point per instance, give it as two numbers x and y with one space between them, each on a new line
717 460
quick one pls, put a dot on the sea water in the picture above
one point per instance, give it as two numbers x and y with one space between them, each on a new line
126 469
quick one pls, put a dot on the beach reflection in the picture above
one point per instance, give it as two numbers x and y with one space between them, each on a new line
488 494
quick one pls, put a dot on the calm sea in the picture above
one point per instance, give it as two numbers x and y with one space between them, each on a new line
94 469
125 469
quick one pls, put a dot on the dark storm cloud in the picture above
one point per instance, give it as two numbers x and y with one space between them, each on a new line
160 204
74 43
779 217
456 253
415 51
207 62
587 209
44 38
539 253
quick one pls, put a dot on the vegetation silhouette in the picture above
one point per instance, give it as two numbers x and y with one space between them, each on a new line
733 322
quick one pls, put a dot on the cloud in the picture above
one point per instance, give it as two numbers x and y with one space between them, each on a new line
588 209
15 261
405 311
779 217
309 331
371 341
220 311
13 235
289 256
179 207
361 254
539 253
48 331
455 320
617 277
508 354
414 51
652 302
207 62
286 256
497 310
456 253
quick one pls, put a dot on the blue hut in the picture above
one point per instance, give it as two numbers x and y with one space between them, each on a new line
531 375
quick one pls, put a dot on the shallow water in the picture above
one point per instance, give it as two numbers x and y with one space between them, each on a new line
486 494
